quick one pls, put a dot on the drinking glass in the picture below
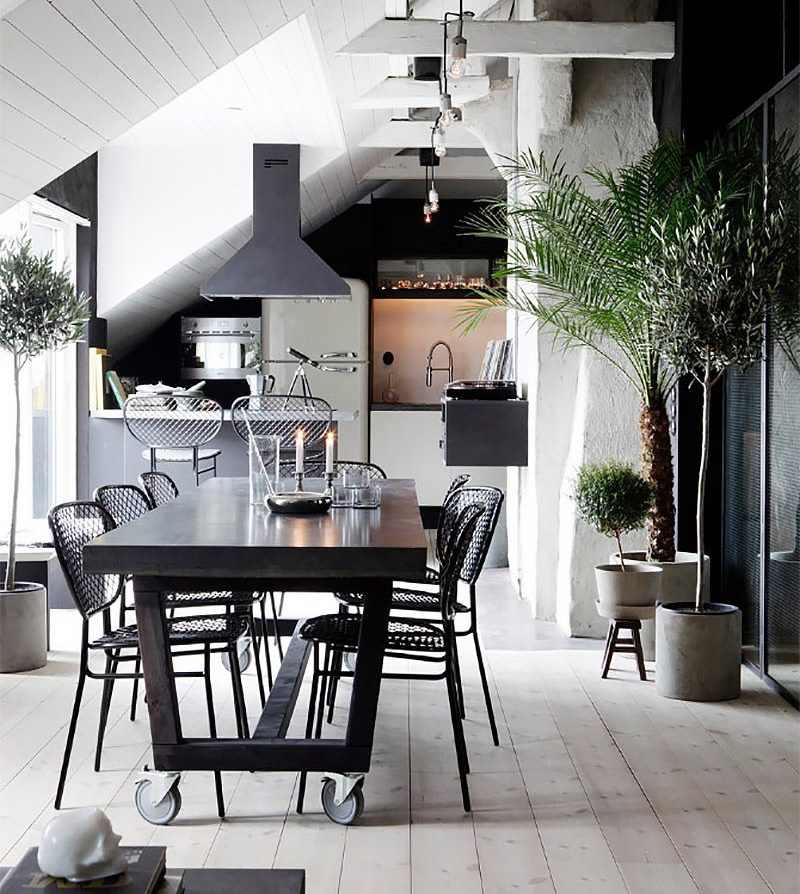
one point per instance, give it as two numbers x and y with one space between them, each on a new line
261 455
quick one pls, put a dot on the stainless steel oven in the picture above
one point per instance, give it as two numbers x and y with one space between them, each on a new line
219 347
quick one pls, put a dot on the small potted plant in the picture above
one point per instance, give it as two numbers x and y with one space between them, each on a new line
614 499
727 267
39 311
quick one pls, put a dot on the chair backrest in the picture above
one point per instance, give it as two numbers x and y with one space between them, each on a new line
317 469
172 422
454 553
159 487
455 484
283 415
489 497
123 502
73 525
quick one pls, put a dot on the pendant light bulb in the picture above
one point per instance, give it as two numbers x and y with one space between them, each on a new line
449 114
433 198
439 147
426 212
458 57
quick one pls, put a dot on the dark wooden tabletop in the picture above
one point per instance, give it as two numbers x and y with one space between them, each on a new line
212 530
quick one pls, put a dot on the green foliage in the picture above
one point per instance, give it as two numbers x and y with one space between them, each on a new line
587 249
39 308
728 259
612 497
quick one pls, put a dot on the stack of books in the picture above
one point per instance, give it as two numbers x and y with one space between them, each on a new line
146 874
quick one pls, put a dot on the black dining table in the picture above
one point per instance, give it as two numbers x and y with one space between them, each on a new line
210 539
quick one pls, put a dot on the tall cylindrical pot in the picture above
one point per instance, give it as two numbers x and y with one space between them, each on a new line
699 653
677 585
23 628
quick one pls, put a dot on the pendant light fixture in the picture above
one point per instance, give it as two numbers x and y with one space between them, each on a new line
426 208
459 66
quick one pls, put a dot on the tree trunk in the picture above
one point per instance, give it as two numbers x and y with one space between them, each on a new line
701 487
11 564
656 451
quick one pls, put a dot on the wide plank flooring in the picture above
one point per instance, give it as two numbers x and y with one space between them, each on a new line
597 786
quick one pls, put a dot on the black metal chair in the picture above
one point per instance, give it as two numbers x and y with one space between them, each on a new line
408 638
409 599
173 429
73 525
159 487
125 503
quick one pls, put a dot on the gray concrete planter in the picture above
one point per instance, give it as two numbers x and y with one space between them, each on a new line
699 653
677 585
638 586
23 628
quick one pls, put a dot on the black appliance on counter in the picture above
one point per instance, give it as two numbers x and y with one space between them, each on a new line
486 389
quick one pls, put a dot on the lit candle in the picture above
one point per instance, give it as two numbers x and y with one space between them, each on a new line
299 452
277 464
329 453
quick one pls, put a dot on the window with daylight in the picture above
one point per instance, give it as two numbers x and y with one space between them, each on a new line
49 411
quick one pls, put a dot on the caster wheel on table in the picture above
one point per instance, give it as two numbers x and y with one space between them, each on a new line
159 814
245 657
349 810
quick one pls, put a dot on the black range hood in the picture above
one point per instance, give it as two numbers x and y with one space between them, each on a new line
275 263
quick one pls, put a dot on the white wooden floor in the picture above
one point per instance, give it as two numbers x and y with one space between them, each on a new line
598 786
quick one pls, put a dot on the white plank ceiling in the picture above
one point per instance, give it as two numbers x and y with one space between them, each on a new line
75 75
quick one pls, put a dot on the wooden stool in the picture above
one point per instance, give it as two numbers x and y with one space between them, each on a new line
615 645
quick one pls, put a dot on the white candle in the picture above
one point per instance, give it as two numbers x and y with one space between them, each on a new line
277 464
329 453
299 452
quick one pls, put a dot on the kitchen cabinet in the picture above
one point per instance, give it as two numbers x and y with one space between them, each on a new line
405 444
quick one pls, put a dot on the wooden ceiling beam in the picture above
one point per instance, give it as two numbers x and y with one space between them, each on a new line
553 39
398 93
401 134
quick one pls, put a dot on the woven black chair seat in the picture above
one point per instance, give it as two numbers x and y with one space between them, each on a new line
341 631
216 597
404 600
182 632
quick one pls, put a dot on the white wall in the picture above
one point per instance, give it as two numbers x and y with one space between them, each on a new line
594 113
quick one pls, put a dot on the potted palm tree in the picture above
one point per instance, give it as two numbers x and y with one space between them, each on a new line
39 311
587 248
728 260
614 499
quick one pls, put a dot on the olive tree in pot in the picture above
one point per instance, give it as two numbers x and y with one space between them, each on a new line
39 311
727 269
614 499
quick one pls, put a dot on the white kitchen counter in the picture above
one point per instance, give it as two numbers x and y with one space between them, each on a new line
338 415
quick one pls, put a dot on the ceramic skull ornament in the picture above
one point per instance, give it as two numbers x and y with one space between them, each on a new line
80 845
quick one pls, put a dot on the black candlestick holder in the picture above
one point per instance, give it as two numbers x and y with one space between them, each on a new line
298 477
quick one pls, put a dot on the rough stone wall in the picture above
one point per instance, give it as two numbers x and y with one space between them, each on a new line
594 113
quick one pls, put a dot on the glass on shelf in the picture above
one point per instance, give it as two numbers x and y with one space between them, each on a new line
432 274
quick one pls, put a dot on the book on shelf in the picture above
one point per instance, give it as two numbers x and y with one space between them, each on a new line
143 875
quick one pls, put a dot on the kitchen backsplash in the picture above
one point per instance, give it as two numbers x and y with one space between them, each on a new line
406 328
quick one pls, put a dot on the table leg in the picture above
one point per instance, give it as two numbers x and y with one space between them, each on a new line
369 663
159 679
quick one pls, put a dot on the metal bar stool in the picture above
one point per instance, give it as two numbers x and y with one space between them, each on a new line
73 525
282 416
174 429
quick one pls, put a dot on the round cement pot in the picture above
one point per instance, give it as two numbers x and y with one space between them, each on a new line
640 585
677 585
699 653
23 628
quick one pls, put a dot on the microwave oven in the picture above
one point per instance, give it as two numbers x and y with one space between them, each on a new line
219 347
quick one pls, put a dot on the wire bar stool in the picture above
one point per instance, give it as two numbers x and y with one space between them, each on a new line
175 428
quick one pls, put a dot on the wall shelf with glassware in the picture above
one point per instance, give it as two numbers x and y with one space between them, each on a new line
430 277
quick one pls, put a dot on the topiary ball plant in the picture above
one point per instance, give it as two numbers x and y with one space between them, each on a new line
613 498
